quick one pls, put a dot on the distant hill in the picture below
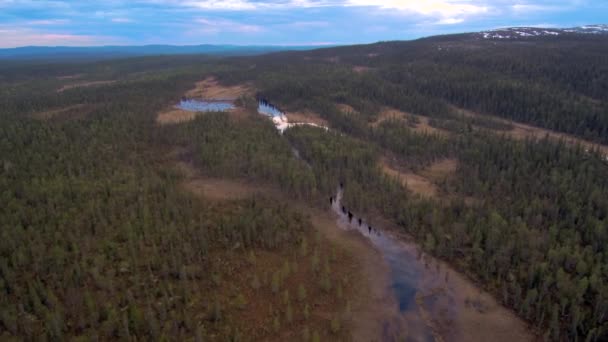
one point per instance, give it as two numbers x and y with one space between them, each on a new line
526 32
48 53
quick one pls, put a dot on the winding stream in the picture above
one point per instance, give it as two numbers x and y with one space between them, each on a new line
435 302
279 119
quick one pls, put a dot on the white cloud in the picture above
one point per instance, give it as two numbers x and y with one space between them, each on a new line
230 5
427 7
450 21
309 24
212 26
47 22
121 20
527 8
442 8
11 37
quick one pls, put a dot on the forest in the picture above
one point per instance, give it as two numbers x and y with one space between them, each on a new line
100 240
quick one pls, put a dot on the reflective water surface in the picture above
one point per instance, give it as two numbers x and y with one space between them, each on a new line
204 106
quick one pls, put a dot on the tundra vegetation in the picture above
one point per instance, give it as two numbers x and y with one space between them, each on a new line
98 239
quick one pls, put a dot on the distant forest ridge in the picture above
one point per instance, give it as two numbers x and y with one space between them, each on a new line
107 52
59 53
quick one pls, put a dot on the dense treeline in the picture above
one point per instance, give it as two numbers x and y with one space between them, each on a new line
535 236
560 84
545 243
98 240
92 218
251 148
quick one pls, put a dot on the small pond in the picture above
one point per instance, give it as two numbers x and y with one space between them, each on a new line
204 106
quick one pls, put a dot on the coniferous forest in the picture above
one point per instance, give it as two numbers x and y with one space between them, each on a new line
100 240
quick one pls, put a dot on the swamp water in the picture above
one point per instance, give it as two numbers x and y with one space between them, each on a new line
433 301
204 105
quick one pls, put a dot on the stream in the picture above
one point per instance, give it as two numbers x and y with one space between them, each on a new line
435 302
279 119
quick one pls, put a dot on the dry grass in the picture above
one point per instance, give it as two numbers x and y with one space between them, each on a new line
219 189
422 126
414 182
210 89
424 181
306 117
440 169
522 131
480 317
389 114
361 69
69 77
374 311
70 112
84 84
175 116
356 267
346 108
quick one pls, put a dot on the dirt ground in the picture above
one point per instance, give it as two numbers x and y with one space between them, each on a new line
84 84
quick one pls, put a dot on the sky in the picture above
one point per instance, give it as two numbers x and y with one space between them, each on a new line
273 22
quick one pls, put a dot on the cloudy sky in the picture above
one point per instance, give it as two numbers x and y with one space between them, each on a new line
273 22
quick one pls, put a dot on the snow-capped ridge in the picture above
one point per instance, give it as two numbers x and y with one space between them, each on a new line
526 32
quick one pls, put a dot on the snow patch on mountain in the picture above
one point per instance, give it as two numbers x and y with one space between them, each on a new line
525 32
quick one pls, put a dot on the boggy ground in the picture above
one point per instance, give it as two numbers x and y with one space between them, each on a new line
522 131
423 182
451 305
358 304
207 89
361 299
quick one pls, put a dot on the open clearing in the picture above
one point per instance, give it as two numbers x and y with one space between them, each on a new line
69 77
84 84
220 189
522 131
70 112
414 182
361 69
374 313
480 316
208 89
373 310
422 182
346 108
422 125
440 169
306 117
